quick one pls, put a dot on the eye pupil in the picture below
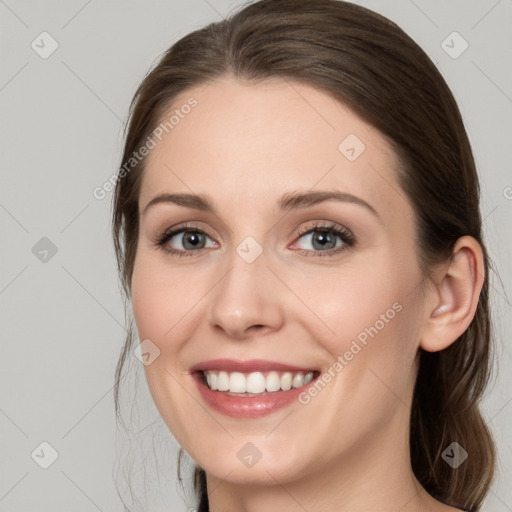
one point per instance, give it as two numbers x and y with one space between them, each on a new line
192 237
324 239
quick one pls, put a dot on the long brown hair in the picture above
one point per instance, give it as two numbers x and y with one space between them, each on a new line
372 66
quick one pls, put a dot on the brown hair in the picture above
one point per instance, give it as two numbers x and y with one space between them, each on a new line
372 66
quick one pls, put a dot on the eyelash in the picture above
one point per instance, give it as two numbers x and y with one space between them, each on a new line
344 234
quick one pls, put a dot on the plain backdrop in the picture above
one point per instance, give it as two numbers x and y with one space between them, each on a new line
62 319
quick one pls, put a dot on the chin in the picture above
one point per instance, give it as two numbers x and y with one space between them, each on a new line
245 464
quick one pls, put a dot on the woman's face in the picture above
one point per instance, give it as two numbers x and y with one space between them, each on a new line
256 279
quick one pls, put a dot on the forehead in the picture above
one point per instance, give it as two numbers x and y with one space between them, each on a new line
254 142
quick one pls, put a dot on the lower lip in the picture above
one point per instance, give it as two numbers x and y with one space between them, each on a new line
247 406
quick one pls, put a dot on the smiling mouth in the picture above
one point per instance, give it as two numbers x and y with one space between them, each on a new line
256 383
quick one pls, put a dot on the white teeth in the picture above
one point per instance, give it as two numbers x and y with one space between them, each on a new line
237 383
256 382
298 380
223 381
213 381
286 381
273 382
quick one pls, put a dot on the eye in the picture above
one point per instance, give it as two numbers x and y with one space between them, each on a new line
326 239
186 240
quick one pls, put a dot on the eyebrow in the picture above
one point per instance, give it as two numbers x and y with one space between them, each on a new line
288 202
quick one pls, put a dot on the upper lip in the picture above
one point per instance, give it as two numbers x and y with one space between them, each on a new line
248 366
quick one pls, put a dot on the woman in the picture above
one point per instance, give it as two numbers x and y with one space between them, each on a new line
297 226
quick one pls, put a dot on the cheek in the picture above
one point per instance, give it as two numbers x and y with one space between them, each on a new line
162 307
349 299
147 304
161 299
367 313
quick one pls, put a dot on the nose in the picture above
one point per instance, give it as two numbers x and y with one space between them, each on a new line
247 300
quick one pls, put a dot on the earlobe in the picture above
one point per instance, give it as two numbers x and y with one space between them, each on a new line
454 297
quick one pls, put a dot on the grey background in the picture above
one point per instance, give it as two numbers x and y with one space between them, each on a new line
62 319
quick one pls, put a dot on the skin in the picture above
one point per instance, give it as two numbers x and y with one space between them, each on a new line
244 146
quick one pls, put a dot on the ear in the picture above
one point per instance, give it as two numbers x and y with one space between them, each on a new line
454 298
